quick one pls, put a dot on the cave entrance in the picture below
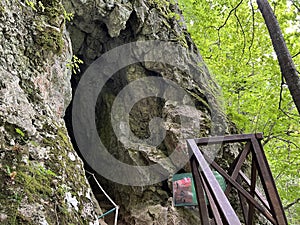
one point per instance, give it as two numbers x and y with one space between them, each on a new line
87 47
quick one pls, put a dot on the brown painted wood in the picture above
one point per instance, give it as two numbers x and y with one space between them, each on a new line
244 203
257 192
214 187
222 210
214 208
238 166
252 192
227 139
240 189
199 191
268 183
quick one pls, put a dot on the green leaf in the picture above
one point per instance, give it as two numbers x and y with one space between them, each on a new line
20 132
237 49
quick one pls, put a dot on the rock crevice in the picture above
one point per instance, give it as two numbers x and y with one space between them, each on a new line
43 176
115 23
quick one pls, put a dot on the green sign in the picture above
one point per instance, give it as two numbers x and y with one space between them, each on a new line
184 193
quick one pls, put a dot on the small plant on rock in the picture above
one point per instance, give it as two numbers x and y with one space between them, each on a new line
73 64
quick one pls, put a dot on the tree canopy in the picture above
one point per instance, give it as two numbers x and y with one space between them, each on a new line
234 42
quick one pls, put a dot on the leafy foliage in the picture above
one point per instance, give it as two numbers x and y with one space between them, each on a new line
73 64
20 132
233 40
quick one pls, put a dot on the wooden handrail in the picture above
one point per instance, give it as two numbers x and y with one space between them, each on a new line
222 210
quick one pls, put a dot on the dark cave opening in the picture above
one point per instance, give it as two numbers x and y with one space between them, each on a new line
91 46
103 202
113 86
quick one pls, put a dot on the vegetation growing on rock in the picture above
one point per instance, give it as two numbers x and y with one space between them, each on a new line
40 181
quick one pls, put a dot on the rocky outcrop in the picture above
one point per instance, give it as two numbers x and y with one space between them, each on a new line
42 178
107 25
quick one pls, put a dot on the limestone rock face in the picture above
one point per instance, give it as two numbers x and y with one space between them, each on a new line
42 178
98 27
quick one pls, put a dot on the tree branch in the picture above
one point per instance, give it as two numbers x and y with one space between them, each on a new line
296 6
287 66
286 141
244 36
253 30
227 18
280 94
291 204
231 11
296 55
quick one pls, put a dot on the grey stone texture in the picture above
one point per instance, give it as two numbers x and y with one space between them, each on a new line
40 183
109 24
42 177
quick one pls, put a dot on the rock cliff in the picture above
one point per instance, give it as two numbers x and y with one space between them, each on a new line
43 176
114 23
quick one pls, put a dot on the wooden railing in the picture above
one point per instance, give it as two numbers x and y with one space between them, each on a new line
252 202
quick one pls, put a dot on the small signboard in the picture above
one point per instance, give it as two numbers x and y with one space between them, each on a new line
184 193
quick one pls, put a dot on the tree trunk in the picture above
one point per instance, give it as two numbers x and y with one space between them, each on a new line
287 66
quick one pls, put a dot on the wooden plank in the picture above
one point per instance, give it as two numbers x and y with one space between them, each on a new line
214 208
226 139
257 192
252 191
268 183
240 189
271 208
199 191
214 187
238 166
243 202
